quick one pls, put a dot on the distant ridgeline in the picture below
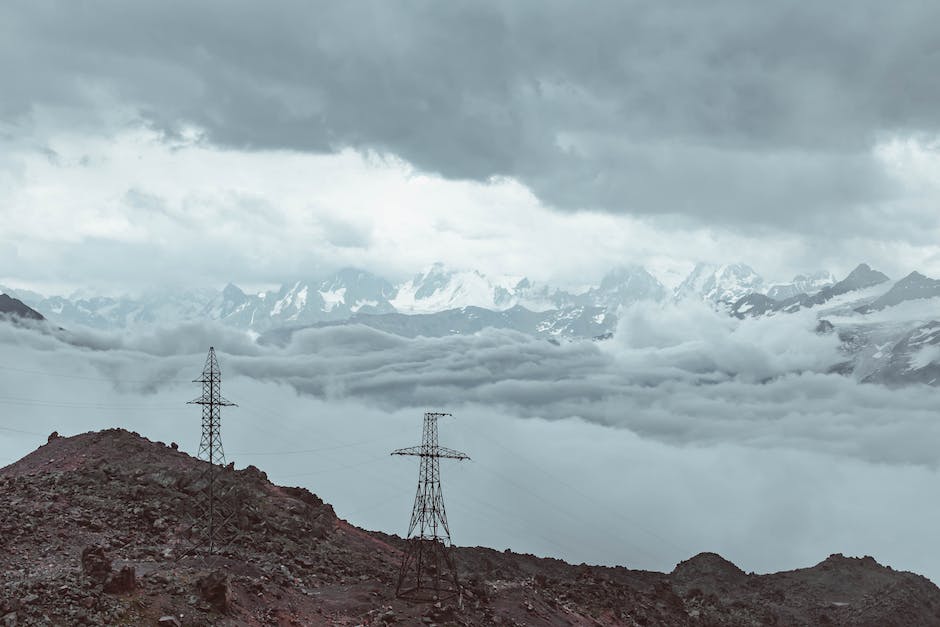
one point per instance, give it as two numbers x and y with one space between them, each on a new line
442 302
14 308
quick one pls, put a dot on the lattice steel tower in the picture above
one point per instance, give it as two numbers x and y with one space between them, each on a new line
210 447
428 571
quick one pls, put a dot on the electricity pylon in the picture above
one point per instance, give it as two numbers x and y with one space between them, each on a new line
210 450
428 571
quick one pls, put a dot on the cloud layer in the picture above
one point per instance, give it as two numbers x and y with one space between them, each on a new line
641 451
729 114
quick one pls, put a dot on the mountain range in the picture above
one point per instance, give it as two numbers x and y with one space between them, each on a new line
352 293
887 329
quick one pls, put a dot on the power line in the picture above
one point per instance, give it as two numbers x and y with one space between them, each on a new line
88 378
587 497
313 450
21 431
334 469
40 402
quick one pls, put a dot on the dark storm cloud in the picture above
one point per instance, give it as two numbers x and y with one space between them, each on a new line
730 111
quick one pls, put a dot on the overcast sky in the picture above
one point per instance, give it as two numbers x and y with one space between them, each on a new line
176 143
193 144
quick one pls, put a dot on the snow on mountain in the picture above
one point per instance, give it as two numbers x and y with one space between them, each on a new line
441 289
299 302
541 297
914 286
624 286
861 277
723 284
801 284
756 304
356 290
889 336
234 307
110 312
335 298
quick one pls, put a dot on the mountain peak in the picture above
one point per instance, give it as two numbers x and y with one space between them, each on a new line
914 286
232 292
861 277
625 285
808 284
914 277
720 283
18 309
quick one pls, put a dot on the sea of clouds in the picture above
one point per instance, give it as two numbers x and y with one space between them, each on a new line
688 431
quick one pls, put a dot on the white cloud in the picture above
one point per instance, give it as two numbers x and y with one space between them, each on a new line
137 208
577 452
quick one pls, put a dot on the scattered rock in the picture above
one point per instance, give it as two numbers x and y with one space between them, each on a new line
117 500
124 580
95 563
216 590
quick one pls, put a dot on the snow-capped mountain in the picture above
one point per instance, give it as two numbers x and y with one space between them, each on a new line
887 335
624 286
109 312
720 284
440 288
757 304
352 295
912 357
335 298
914 286
801 284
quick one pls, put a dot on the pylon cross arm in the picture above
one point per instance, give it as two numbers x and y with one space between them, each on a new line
437 451
205 400
449 453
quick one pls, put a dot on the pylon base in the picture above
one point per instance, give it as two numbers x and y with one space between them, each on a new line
428 572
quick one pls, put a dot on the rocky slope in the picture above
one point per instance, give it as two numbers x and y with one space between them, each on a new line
93 528
14 308
757 304
914 286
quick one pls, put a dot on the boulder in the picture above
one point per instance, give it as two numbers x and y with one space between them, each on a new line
125 580
216 590
95 563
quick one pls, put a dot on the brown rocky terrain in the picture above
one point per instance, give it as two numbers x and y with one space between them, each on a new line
93 528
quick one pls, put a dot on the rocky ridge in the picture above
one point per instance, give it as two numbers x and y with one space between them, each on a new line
94 531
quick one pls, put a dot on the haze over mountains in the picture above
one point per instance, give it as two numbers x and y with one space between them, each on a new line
351 292
887 330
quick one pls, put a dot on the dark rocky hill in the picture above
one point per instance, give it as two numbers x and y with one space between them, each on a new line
14 308
94 531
